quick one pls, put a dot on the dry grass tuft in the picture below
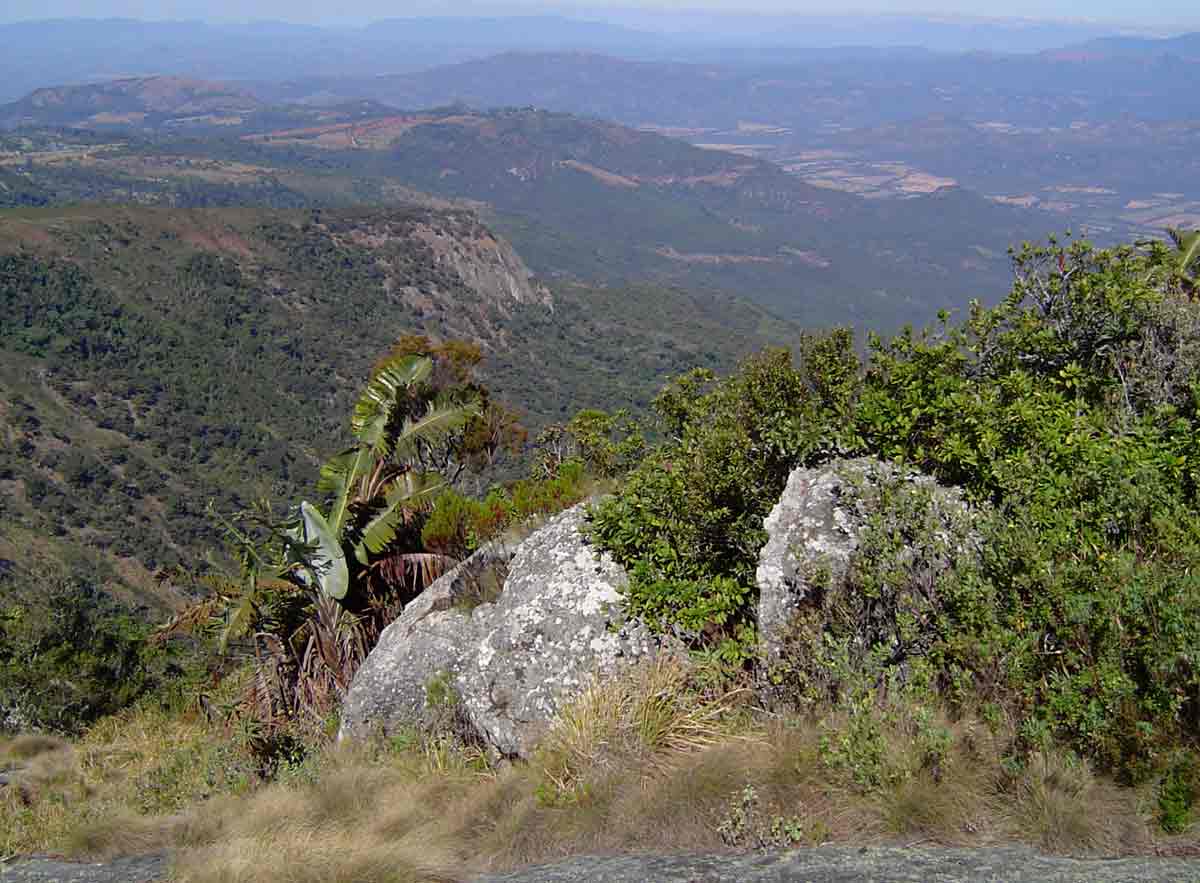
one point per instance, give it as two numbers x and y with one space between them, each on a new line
1061 806
121 833
363 820
642 762
649 717
31 745
93 797
302 855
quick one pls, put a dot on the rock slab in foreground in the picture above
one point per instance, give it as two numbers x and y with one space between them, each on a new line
511 662
815 529
38 869
845 864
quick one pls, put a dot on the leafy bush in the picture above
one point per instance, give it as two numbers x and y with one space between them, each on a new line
1068 414
1176 796
688 520
73 657
458 524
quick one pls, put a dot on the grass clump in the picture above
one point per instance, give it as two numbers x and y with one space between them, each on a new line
116 789
655 713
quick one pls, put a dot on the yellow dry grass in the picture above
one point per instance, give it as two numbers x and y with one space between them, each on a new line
113 791
648 761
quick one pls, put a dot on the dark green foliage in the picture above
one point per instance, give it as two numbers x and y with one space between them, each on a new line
1177 796
688 519
69 654
186 356
902 601
458 524
1069 414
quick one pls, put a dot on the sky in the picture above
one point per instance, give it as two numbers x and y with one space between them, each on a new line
1182 13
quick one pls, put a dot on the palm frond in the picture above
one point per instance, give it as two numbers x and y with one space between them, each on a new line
239 620
374 408
407 492
441 419
413 570
339 474
192 620
1187 245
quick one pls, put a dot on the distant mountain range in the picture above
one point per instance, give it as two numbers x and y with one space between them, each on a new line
1184 46
42 53
580 197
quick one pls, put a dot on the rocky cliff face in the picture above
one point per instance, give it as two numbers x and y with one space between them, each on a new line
461 254
485 262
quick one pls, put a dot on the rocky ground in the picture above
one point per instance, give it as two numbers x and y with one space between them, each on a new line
828 864
42 869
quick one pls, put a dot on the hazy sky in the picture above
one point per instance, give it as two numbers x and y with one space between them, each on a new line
1133 12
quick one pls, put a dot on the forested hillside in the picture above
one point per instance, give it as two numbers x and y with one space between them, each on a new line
155 360
393 495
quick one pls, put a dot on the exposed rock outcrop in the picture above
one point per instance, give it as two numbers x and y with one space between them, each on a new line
509 662
817 526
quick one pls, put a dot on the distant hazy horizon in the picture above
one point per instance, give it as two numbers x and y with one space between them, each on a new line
1168 16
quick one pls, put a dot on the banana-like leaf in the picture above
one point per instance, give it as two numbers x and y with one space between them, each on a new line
407 491
338 476
443 417
1188 247
413 487
329 561
239 620
338 471
374 408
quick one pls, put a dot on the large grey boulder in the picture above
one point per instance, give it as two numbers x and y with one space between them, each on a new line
816 529
509 662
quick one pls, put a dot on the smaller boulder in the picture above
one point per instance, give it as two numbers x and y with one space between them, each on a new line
816 529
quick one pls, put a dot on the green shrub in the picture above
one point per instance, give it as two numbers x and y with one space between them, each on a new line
1069 416
458 524
1176 796
70 655
687 522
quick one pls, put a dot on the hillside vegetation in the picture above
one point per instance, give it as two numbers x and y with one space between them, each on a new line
265 380
1043 691
580 198
155 361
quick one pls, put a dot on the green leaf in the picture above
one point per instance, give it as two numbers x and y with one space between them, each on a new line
375 406
329 561
338 476
407 491
1188 247
443 417
238 619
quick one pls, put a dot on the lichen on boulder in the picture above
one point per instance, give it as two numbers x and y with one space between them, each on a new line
510 662
816 536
